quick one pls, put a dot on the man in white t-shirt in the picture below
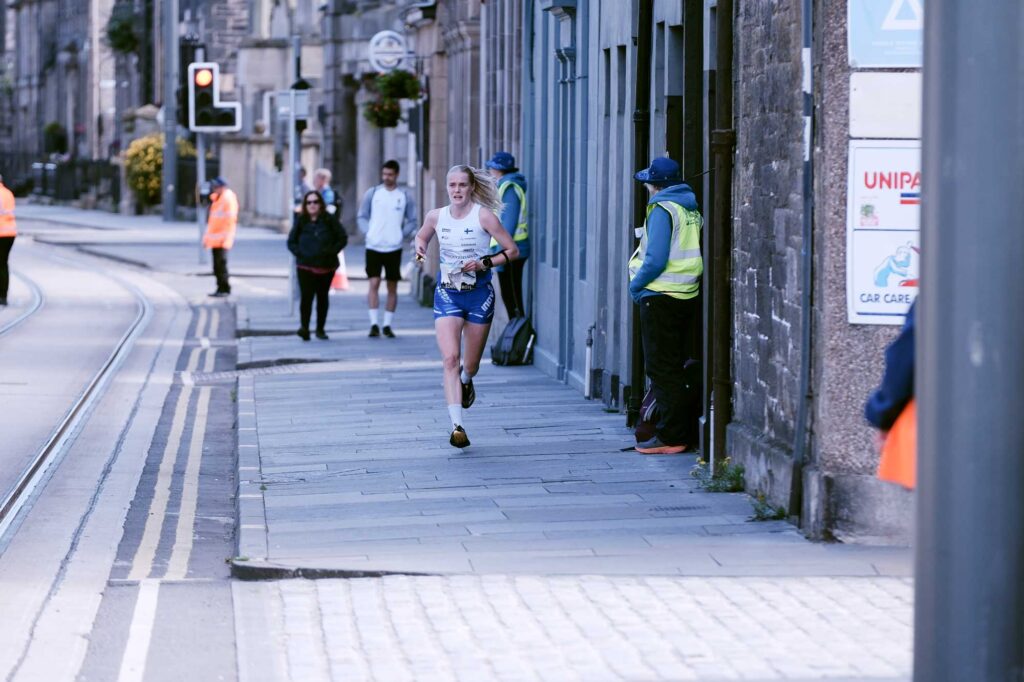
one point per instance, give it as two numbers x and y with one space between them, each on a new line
387 216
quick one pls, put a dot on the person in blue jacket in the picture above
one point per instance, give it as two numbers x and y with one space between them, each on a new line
664 281
512 190
897 388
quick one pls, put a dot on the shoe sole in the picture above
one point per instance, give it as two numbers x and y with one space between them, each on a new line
663 450
459 439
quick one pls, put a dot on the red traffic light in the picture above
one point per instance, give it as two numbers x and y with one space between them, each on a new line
203 77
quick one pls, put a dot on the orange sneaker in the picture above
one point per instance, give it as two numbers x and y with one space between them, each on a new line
654 446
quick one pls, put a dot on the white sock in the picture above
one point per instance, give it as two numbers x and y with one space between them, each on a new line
455 412
388 316
373 316
465 377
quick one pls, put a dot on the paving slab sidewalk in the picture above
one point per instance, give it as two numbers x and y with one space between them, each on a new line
345 470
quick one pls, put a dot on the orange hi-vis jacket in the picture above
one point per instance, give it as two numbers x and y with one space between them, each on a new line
220 226
8 228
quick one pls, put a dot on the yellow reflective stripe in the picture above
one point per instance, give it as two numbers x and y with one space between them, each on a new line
522 228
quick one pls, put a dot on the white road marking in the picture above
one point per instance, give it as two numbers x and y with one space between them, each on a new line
178 566
140 633
144 555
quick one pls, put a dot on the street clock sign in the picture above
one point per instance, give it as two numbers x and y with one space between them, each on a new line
387 50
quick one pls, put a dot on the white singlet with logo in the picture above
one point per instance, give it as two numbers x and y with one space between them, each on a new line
461 240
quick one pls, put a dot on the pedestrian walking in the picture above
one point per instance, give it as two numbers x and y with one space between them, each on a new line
8 231
315 240
387 216
464 296
892 410
512 192
664 281
220 231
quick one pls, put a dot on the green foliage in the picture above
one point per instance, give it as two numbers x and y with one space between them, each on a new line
55 138
765 511
383 113
398 84
144 162
728 478
124 28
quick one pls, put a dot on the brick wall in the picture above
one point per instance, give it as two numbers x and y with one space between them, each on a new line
227 24
767 235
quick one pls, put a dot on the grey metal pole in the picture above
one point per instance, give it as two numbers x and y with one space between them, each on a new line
200 177
170 164
969 601
293 161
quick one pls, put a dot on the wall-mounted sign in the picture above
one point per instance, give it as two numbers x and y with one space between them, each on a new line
883 219
387 50
885 33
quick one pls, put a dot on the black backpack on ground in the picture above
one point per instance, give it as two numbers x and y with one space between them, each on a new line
693 404
515 345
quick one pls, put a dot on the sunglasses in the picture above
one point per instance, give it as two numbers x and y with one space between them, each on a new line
314 202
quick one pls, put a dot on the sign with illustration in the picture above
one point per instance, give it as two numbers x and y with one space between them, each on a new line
883 230
885 33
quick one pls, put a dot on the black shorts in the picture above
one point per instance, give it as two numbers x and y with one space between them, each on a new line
389 261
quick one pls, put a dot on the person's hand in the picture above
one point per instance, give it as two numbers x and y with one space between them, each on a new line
473 266
421 252
880 438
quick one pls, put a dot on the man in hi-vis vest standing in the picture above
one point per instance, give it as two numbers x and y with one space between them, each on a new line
664 280
8 231
220 231
512 190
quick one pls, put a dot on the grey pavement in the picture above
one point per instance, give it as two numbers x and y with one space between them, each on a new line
346 470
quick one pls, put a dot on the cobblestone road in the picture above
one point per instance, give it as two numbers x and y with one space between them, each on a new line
588 628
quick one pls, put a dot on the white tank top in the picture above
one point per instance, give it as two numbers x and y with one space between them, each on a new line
461 240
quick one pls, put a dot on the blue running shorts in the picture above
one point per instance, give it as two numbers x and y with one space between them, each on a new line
474 305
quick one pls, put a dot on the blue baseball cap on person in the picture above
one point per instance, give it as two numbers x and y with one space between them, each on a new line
662 171
219 181
502 161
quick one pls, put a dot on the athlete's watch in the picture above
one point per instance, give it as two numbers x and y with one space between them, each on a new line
486 260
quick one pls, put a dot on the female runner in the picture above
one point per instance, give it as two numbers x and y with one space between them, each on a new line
464 297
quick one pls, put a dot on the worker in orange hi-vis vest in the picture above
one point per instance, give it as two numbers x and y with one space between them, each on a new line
8 231
220 231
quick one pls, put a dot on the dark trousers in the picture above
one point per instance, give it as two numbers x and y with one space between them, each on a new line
220 270
511 280
312 285
669 327
5 275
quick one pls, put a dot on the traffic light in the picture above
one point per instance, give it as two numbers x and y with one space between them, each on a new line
206 113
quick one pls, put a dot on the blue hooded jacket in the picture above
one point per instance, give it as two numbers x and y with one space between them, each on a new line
659 239
510 214
889 399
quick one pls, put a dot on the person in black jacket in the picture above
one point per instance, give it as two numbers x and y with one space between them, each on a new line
315 240
897 388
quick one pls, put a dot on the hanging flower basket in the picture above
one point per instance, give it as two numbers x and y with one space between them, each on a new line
124 28
398 84
384 112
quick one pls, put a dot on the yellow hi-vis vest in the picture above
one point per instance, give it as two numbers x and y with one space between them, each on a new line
522 232
681 276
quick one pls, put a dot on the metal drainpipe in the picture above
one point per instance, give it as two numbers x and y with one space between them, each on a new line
803 396
641 145
723 144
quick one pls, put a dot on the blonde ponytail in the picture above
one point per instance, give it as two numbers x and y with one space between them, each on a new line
484 191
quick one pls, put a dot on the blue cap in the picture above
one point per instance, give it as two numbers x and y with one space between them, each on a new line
502 161
662 171
219 180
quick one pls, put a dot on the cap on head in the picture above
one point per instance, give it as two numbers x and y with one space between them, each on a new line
662 171
502 161
219 181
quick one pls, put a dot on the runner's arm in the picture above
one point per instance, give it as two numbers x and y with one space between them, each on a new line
425 234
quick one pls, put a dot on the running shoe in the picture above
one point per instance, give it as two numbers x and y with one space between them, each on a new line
655 446
374 330
459 438
468 395
388 333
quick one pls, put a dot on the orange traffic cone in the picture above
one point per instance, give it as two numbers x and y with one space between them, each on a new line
340 281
